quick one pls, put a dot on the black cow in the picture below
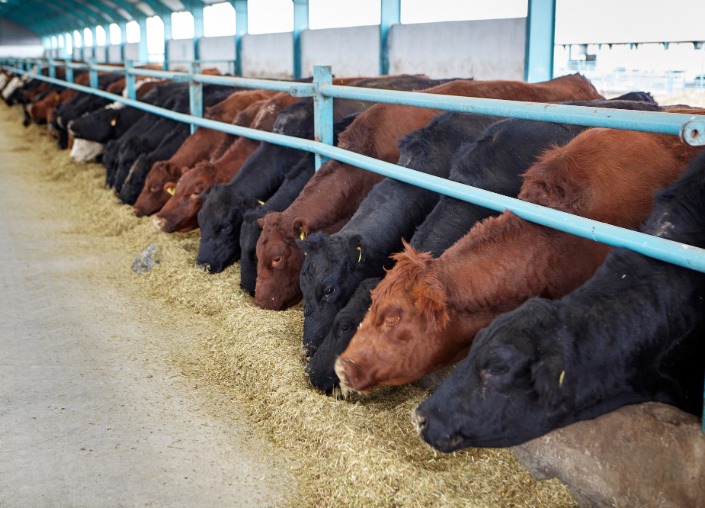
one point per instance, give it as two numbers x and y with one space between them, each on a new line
632 333
80 104
452 218
320 368
294 181
336 264
134 181
263 172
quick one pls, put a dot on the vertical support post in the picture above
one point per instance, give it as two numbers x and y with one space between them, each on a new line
300 24
322 110
52 68
241 27
540 40
92 73
123 39
142 54
390 15
195 94
69 71
94 43
108 42
197 11
130 80
166 19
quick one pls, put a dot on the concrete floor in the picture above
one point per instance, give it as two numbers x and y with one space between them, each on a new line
93 410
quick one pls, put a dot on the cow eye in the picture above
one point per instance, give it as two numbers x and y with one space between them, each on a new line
276 260
391 321
225 228
497 370
344 327
329 291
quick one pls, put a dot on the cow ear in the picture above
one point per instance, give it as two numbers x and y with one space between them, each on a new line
301 228
553 189
355 250
549 378
430 299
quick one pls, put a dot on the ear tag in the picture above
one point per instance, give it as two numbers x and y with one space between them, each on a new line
560 379
359 257
260 202
302 233
113 122
170 190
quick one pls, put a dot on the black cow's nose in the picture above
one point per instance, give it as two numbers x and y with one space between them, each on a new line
419 420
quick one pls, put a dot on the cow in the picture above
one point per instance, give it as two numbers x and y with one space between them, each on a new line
632 333
180 213
334 265
486 163
264 171
250 230
426 311
321 366
375 133
161 180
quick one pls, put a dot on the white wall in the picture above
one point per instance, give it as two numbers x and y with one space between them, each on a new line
221 49
114 52
350 51
486 49
182 51
22 51
132 51
268 55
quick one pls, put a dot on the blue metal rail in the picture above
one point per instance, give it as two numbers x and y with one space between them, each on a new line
691 128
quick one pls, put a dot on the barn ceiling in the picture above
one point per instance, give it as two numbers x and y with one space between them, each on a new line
48 17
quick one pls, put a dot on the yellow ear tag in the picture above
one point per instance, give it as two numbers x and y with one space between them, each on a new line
170 191
260 201
302 234
560 379
359 257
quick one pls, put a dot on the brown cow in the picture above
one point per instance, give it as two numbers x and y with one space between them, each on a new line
163 175
375 133
426 311
180 213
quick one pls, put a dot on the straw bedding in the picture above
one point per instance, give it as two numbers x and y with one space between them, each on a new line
360 452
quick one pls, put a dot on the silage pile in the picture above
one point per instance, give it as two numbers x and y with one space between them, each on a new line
362 452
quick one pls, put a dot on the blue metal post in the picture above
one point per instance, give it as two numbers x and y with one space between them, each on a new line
391 15
142 54
52 68
166 19
195 94
92 73
130 80
300 24
108 41
540 40
123 40
197 12
241 27
322 110
69 71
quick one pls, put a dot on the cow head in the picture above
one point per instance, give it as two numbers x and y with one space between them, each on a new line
513 386
402 336
321 367
180 213
329 276
279 261
220 220
159 186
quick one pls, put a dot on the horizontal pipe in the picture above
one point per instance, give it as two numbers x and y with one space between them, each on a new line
658 248
691 128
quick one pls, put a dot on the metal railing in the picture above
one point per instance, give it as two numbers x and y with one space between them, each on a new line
691 129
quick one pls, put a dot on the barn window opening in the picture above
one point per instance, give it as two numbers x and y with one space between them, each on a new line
182 25
133 32
270 16
100 38
87 37
76 39
343 13
115 34
219 20
423 11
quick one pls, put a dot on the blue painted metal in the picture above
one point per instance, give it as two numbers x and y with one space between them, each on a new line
322 110
300 24
166 19
69 70
195 94
391 15
142 55
92 74
130 80
197 11
241 29
540 40
123 40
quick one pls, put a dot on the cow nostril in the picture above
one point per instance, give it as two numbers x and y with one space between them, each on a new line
419 420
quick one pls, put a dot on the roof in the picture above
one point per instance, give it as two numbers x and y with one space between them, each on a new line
48 17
